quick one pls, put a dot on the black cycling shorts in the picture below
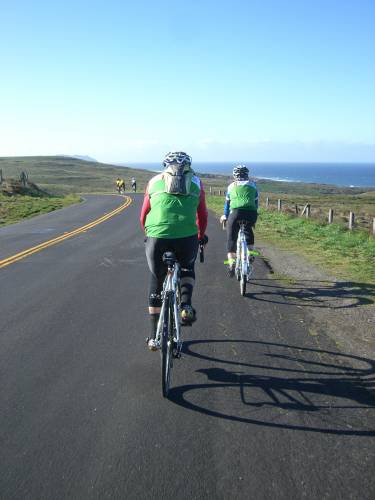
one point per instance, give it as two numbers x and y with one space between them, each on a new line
236 215
185 249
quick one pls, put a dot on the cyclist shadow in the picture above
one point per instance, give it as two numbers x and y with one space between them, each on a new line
339 394
308 293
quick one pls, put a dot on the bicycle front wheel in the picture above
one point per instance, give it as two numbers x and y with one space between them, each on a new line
167 347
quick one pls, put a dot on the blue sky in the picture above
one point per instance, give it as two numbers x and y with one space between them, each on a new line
248 80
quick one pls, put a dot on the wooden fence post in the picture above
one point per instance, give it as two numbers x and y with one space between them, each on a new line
308 210
279 203
23 178
330 216
1 176
373 225
351 220
296 208
267 202
219 192
210 189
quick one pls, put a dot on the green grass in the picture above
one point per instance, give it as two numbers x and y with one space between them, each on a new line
347 254
19 207
361 204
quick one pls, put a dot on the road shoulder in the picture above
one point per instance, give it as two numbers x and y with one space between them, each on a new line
340 309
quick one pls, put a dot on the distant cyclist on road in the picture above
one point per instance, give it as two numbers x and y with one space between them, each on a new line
134 185
120 183
241 203
174 217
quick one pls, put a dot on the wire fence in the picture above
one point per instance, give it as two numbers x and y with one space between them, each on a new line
326 215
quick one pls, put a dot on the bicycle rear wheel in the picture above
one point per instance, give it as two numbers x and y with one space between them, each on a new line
243 285
167 347
238 269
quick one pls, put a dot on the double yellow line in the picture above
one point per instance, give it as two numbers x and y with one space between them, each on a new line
29 251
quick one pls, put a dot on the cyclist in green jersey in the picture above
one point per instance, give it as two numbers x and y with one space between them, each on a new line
241 204
174 218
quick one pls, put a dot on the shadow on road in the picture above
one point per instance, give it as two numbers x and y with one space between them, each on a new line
289 387
327 294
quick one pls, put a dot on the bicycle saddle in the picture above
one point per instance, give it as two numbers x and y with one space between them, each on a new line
169 258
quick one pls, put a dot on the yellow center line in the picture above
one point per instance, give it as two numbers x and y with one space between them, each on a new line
29 251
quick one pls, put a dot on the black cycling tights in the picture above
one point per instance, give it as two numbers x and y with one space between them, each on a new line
186 250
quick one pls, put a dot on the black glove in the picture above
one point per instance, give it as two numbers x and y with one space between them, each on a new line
203 241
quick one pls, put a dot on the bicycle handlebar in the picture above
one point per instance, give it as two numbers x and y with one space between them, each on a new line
201 252
202 243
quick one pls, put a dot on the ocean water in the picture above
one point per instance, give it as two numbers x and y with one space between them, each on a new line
339 174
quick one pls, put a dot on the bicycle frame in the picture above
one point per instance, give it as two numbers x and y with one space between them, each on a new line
243 267
242 258
171 289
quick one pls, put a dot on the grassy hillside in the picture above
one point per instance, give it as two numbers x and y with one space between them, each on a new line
55 181
63 175
18 207
308 189
60 174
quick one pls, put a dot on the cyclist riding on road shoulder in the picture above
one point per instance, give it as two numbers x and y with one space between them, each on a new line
174 217
241 203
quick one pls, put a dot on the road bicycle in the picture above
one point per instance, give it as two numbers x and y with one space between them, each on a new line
244 258
244 266
168 332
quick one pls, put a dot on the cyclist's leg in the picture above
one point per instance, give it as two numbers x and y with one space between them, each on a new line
232 233
155 247
186 250
251 217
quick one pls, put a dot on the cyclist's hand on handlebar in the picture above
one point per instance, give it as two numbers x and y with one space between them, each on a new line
203 241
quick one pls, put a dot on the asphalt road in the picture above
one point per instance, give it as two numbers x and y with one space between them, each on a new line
260 407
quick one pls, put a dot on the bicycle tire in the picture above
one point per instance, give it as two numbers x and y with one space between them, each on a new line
167 347
238 270
243 285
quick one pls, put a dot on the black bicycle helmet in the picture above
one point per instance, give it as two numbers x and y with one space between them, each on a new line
240 173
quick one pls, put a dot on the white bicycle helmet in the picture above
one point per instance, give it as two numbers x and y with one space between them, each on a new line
240 173
177 158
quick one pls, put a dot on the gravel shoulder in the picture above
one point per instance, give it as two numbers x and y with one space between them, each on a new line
342 310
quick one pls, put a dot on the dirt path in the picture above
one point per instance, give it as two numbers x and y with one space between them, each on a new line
343 310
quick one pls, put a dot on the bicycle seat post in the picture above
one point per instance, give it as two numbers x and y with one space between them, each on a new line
169 259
